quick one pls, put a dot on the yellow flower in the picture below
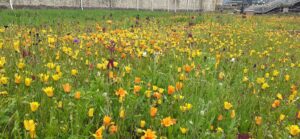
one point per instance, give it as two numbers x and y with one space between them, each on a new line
3 80
221 75
186 107
28 82
245 79
18 79
56 77
74 72
287 77
21 65
168 121
148 93
279 96
267 75
17 45
29 125
227 105
179 69
49 91
3 93
34 106
149 134
44 78
109 21
219 130
265 86
2 62
116 64
294 130
91 112
275 73
32 134
245 71
122 113
260 80
281 117
142 123
50 65
154 88
161 90
128 69
183 130
60 104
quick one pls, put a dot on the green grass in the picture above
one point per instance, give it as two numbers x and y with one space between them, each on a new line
260 44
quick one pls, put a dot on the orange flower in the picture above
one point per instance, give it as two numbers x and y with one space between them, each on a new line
157 95
149 134
113 129
187 68
136 89
179 85
232 114
276 103
77 95
166 122
99 133
258 120
137 80
298 115
106 120
171 89
220 117
153 111
121 92
67 88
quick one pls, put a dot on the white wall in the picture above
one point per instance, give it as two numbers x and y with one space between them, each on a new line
206 5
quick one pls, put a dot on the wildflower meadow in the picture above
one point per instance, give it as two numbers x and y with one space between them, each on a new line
115 74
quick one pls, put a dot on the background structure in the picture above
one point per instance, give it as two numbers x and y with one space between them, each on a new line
171 5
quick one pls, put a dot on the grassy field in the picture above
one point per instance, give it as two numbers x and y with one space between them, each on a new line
128 74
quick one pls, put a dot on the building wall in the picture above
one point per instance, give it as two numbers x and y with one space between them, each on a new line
205 5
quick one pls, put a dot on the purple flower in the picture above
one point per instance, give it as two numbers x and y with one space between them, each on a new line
76 40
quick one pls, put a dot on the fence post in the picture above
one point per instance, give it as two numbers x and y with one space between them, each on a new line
152 5
175 6
81 5
168 5
11 4
187 7
137 4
